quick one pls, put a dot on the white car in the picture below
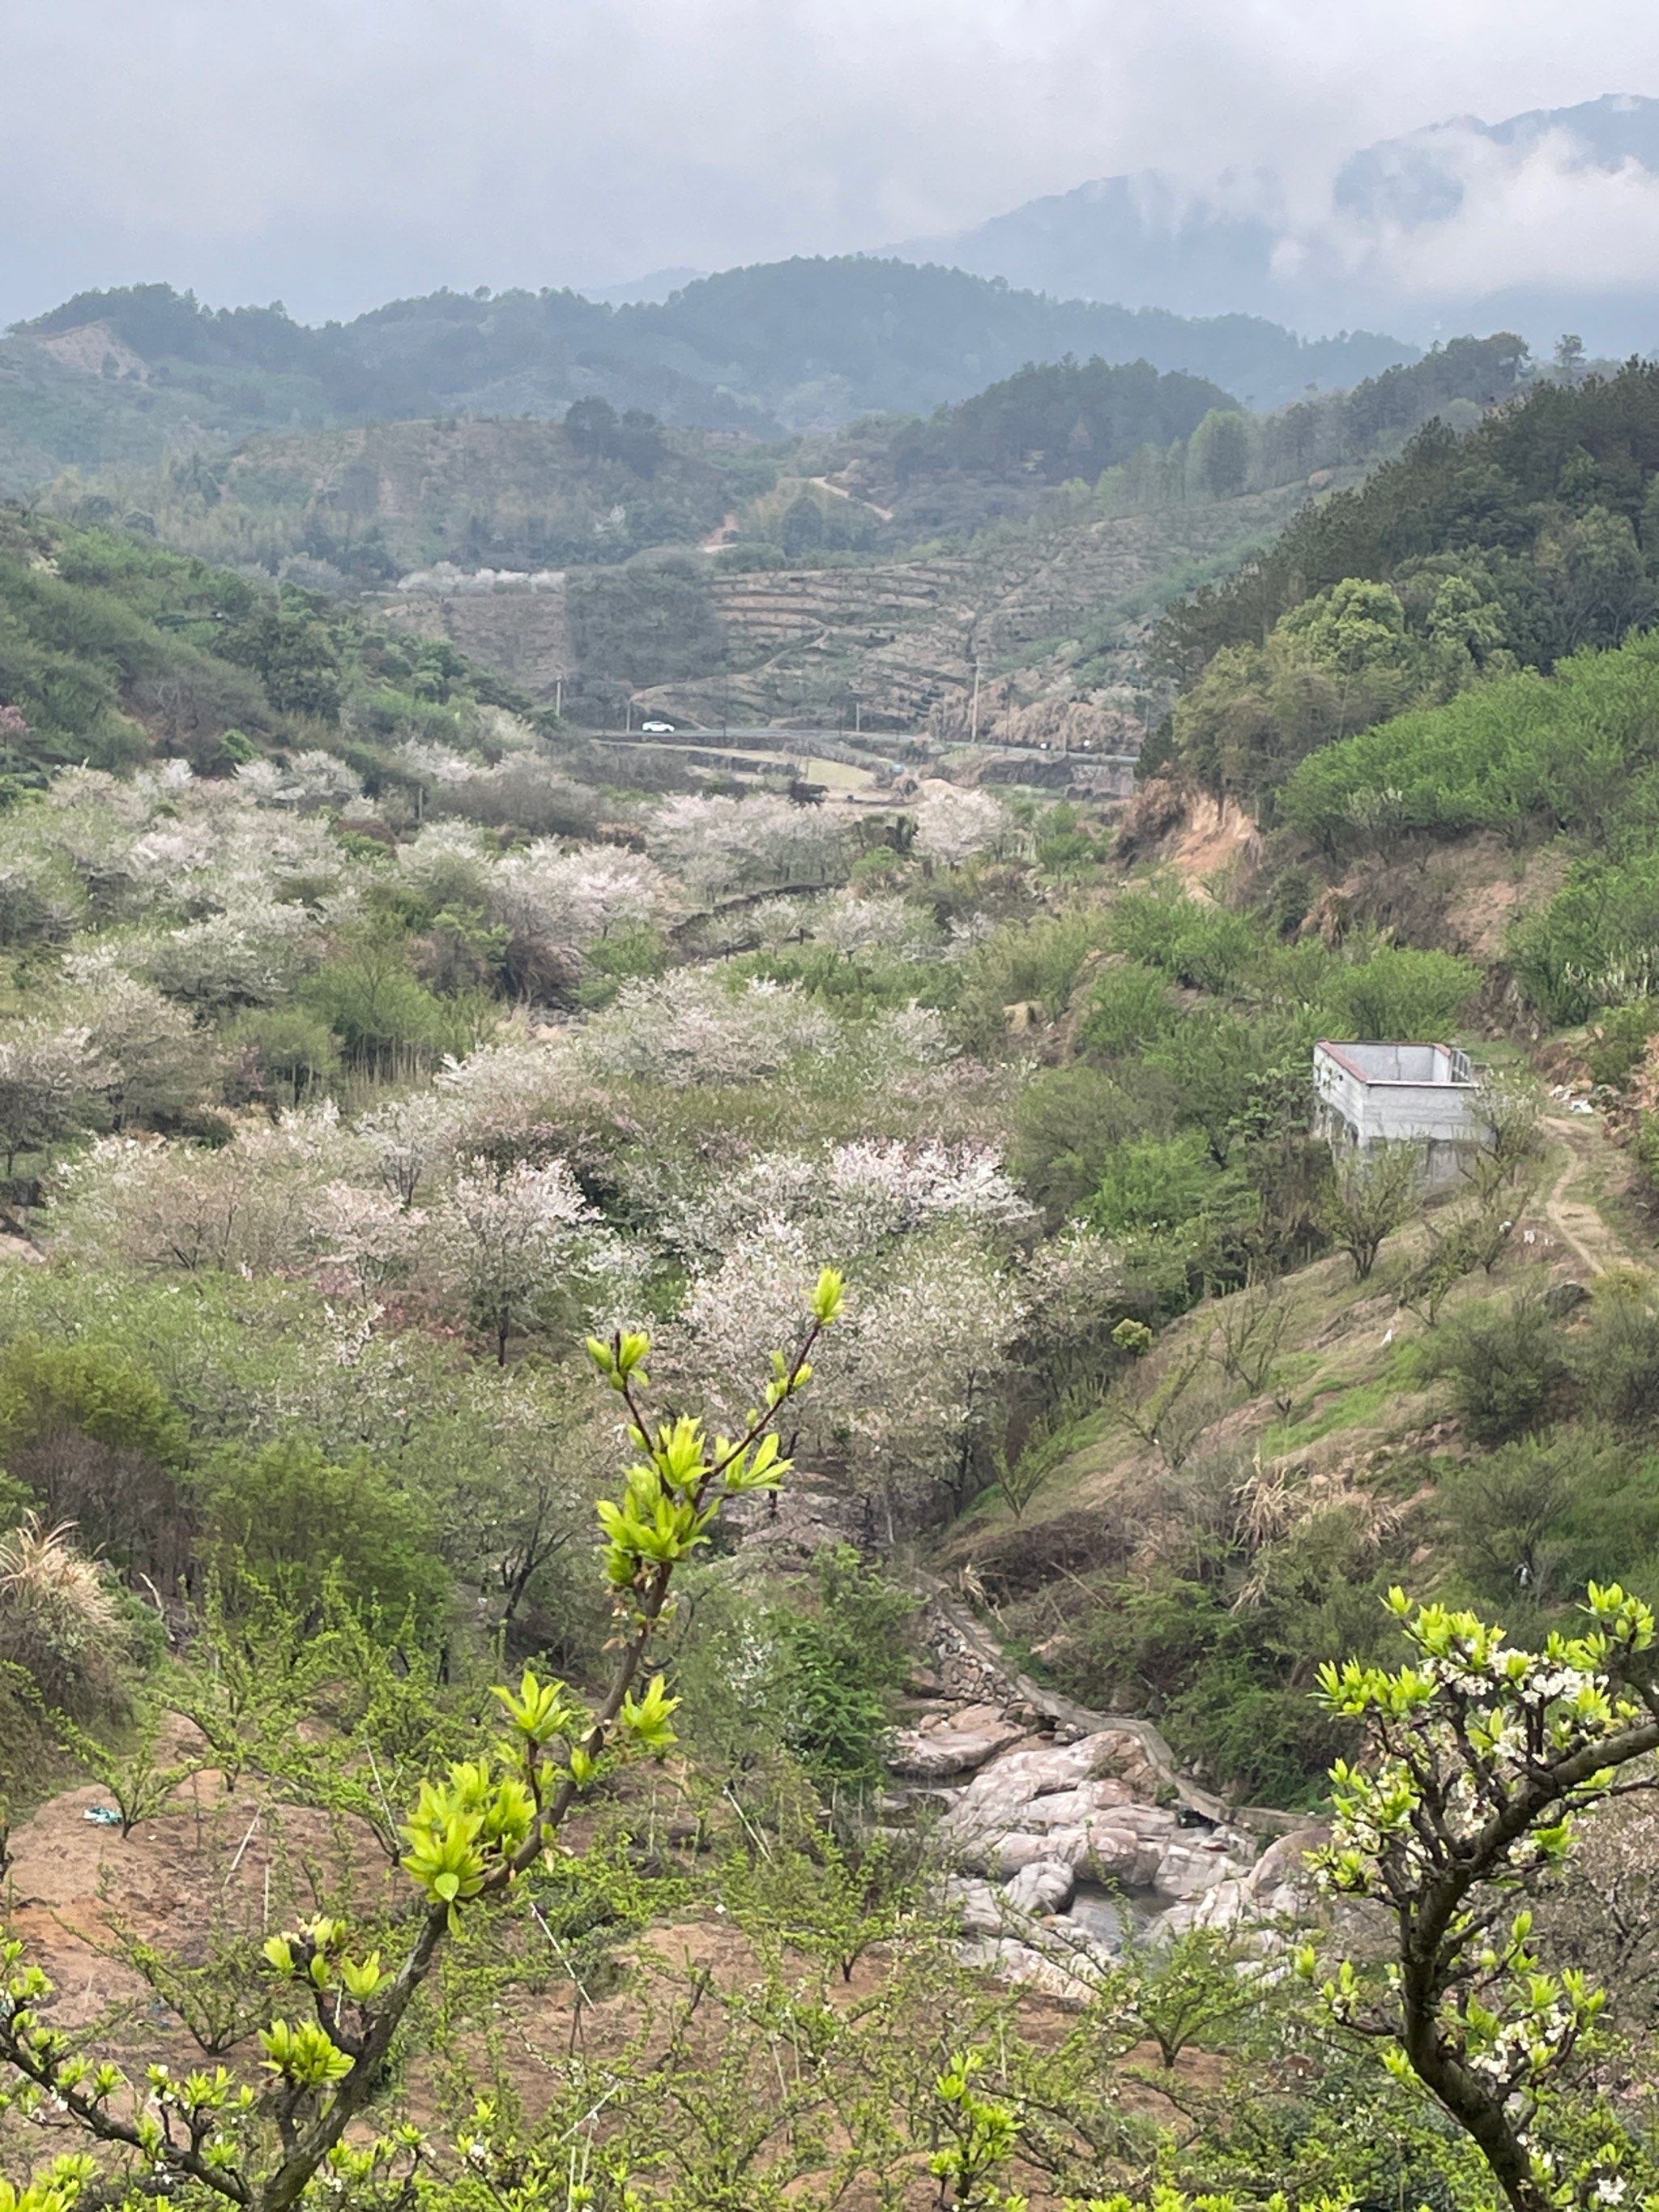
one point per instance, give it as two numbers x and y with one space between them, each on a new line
656 729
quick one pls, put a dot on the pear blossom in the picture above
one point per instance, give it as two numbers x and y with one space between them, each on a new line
955 825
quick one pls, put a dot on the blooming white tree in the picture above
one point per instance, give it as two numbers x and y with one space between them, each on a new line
520 1097
716 846
730 1310
883 925
254 1205
41 901
412 1139
366 1238
447 864
913 1386
1479 1760
954 824
570 899
172 846
311 780
502 1243
688 1027
248 958
430 763
912 1036
771 923
160 1063
93 823
938 1324
52 1080
851 1201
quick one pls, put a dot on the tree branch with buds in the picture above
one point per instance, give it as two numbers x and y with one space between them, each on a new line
470 1837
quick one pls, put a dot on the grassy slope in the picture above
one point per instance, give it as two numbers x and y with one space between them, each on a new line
1352 1417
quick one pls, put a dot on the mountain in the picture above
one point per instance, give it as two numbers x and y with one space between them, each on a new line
648 290
134 374
1544 222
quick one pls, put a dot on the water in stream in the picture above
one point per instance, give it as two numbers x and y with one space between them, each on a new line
1106 1916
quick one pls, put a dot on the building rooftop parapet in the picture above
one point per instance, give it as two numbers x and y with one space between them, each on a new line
1379 1063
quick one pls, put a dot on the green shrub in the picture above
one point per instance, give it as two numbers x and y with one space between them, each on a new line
841 1660
46 1388
1129 1006
1527 1526
1596 944
1617 1358
1617 1050
289 1521
282 1053
1399 992
1155 1185
1236 1078
1508 1365
1523 754
90 1436
1216 1679
383 1016
1070 1122
1025 963
1197 945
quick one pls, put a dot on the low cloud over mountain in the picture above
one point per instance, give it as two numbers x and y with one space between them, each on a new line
1547 220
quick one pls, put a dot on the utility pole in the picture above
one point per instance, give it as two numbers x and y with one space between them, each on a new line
973 727
558 698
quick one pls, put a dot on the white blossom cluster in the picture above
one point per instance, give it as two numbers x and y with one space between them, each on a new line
687 1027
955 825
309 782
716 846
306 1195
858 1197
570 899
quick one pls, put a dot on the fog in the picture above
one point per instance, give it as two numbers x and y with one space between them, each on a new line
337 153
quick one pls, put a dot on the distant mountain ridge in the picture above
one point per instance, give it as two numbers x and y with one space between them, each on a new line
1543 221
109 377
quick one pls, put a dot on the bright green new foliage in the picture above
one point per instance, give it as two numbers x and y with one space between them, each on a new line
473 1832
1479 1758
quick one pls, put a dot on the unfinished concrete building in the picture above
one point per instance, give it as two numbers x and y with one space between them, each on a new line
1367 1095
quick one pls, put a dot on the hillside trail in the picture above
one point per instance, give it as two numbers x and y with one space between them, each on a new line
842 492
1576 1220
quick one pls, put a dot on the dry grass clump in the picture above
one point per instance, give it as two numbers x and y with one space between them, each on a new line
59 1620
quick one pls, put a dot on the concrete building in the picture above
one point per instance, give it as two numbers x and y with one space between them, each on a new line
1374 1094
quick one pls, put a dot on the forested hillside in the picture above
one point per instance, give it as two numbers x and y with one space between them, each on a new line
364 507
133 374
113 650
1522 542
795 577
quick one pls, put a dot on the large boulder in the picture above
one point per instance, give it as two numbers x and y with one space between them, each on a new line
1223 1906
1043 1885
957 1745
1072 1803
1195 1862
1012 1961
978 1906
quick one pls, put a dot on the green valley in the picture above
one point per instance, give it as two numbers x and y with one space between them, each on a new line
719 1486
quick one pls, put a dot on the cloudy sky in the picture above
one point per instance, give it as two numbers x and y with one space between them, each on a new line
336 153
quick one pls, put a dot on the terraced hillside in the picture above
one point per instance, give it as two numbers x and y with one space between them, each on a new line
1055 616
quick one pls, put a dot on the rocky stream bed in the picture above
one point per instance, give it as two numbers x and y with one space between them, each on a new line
1068 1829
